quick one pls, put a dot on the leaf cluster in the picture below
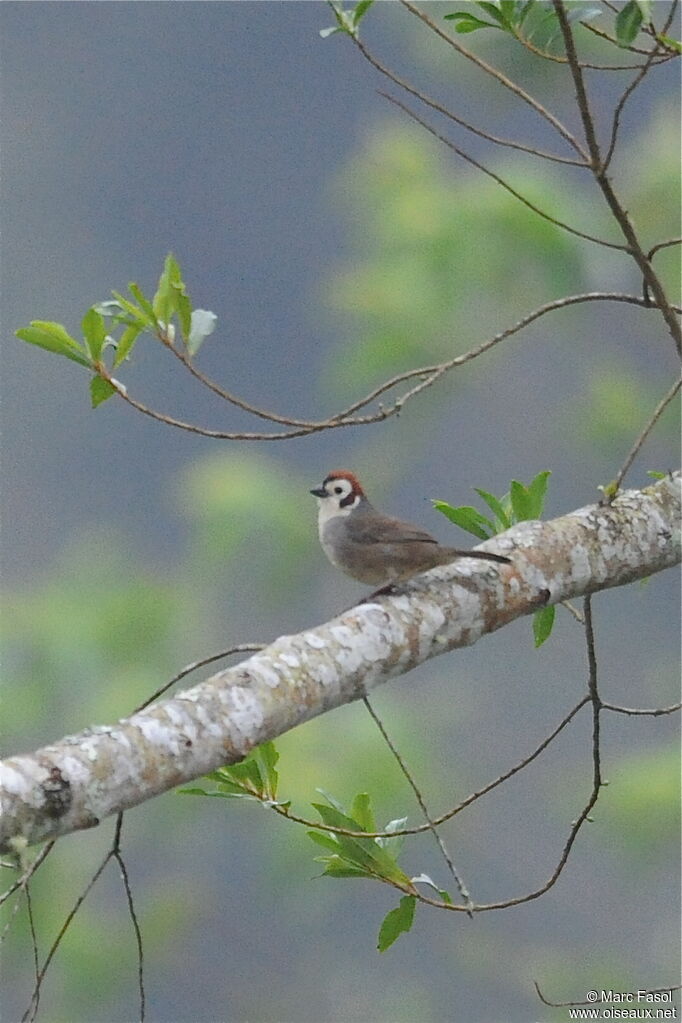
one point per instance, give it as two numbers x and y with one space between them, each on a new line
520 504
113 327
530 20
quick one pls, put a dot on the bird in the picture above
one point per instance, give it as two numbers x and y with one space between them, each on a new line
375 548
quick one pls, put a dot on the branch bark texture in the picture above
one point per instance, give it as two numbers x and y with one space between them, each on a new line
77 782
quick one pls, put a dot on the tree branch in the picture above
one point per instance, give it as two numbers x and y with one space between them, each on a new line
77 782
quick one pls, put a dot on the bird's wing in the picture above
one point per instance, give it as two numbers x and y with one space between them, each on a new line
383 529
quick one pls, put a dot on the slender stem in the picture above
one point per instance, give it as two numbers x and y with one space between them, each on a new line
495 139
636 447
619 213
461 887
498 76
500 181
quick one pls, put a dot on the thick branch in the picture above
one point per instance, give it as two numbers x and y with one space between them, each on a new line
84 778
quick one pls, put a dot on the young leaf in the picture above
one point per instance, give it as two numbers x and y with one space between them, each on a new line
536 491
139 315
94 333
324 839
137 293
543 622
100 390
628 23
521 502
361 811
53 338
467 518
394 844
656 475
468 22
202 323
336 867
267 757
360 10
397 922
126 342
497 12
673 44
496 506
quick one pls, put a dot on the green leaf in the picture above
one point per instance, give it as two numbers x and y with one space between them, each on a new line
139 315
267 757
360 852
126 342
521 502
147 307
202 323
100 390
94 333
468 22
498 12
53 337
397 922
361 811
536 491
170 291
496 506
674 44
467 518
628 23
394 844
337 867
360 10
543 623
657 475
324 839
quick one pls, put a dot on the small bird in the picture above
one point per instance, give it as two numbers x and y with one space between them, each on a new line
372 547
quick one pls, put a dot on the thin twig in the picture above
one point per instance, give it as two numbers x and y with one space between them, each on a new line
495 139
132 913
650 255
499 180
461 886
631 88
437 821
653 712
34 944
620 214
498 76
636 447
239 648
22 881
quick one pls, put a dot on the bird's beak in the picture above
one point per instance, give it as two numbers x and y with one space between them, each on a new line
319 492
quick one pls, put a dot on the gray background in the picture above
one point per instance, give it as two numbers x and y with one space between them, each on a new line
217 130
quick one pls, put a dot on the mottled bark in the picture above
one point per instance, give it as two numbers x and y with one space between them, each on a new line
77 782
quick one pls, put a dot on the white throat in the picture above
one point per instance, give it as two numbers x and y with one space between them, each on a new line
327 509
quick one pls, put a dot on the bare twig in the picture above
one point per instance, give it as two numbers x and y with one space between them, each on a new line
650 255
437 821
619 213
239 648
636 447
648 712
500 181
136 927
22 881
495 139
631 88
498 76
461 886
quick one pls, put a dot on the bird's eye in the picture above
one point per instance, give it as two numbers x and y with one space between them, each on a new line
338 490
